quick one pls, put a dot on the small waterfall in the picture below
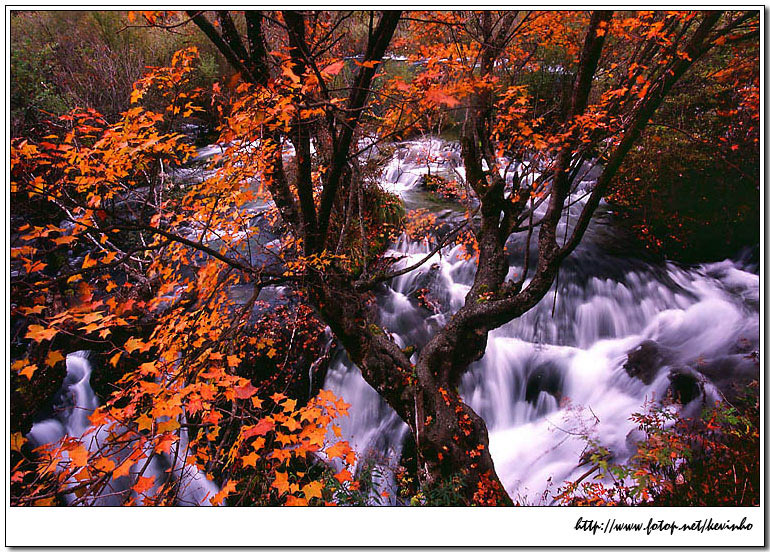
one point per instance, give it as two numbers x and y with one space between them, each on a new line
557 372
73 405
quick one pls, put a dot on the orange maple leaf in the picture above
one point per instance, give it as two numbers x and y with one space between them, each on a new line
143 484
250 459
79 456
338 450
436 96
313 490
28 371
123 469
104 464
281 455
277 397
262 427
229 487
343 476
39 333
245 391
292 500
54 357
334 68
281 482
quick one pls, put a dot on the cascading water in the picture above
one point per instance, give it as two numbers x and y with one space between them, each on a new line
72 407
555 376
549 379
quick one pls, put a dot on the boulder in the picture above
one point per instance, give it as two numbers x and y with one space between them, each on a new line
644 362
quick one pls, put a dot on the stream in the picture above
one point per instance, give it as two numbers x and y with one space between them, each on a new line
556 376
550 379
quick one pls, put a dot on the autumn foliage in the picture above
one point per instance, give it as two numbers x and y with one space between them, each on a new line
121 246
707 461
183 396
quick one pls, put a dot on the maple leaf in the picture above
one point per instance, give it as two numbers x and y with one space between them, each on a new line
245 391
170 425
143 484
277 397
39 333
37 309
233 362
63 240
334 68
28 371
292 424
144 422
165 442
342 407
282 455
287 72
228 488
285 439
133 344
79 456
123 469
288 405
281 482
262 427
149 369
194 404
17 365
54 357
89 262
250 459
98 417
104 464
436 96
339 449
313 490
326 395
343 476
17 440
292 500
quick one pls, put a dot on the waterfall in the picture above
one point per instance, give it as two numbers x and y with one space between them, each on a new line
557 373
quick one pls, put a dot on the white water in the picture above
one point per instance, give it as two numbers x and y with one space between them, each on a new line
705 318
73 405
569 364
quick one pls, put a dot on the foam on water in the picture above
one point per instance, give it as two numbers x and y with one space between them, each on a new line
555 375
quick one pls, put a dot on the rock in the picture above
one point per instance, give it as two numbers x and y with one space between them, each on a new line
730 374
546 378
645 362
686 385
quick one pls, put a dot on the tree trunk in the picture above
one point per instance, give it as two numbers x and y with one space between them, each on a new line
452 440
